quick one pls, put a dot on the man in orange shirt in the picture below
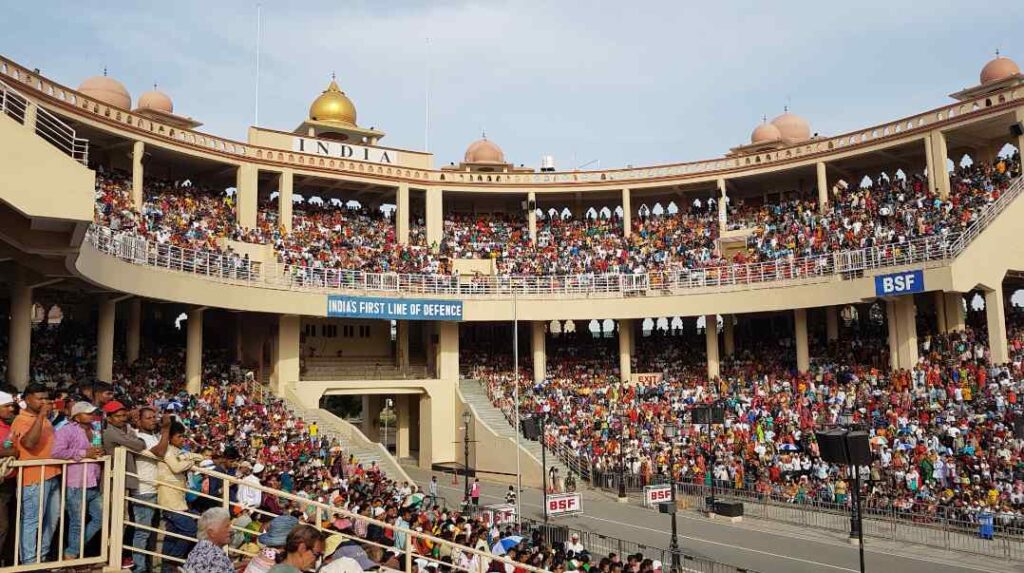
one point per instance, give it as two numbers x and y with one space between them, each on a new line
33 434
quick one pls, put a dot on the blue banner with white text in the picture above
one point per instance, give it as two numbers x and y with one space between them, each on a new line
393 308
908 282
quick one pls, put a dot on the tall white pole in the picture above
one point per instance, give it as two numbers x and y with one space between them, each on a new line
426 103
515 398
259 36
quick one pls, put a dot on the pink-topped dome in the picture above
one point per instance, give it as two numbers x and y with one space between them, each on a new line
484 151
156 100
792 127
998 69
765 133
107 90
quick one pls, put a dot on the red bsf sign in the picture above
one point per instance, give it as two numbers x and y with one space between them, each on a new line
564 504
655 494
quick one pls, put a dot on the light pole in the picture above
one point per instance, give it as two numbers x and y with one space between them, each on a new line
466 419
622 458
670 434
544 465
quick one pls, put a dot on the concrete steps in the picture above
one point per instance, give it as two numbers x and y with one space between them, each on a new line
476 395
383 368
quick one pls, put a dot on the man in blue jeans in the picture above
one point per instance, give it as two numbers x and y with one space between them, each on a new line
78 441
33 438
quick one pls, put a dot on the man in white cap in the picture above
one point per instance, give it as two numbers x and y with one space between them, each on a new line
574 544
248 494
7 492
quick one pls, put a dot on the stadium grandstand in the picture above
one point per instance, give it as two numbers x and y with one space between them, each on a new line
221 355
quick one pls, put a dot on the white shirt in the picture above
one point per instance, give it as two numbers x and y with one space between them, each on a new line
146 467
250 496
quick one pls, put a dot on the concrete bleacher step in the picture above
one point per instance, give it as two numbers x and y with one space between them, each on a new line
476 395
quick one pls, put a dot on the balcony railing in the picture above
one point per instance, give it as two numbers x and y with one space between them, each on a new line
215 265
47 125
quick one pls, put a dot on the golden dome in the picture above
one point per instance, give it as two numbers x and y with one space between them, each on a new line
107 90
999 68
484 151
333 106
792 128
765 133
157 101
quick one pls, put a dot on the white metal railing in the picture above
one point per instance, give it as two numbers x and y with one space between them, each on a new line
47 125
216 265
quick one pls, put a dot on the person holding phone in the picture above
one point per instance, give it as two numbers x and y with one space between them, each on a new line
78 440
34 440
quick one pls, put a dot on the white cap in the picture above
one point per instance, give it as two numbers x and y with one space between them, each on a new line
6 399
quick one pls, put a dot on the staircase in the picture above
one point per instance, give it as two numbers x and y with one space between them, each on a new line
475 395
328 368
353 441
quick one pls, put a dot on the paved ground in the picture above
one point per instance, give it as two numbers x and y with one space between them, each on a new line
763 546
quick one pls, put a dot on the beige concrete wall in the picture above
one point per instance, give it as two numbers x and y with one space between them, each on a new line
39 180
283 141
378 344
494 455
257 252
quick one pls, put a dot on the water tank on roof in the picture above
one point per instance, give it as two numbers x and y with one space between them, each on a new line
547 163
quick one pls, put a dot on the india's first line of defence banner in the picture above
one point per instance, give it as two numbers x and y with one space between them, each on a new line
393 308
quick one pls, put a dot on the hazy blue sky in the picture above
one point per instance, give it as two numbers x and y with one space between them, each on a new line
619 82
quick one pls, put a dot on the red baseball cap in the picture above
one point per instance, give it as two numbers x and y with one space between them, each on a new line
113 406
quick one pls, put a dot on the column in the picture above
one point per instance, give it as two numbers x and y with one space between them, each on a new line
723 205
929 163
803 354
426 432
285 192
955 320
20 331
402 426
625 344
138 180
832 322
531 215
448 351
105 341
402 345
822 187
31 113
287 355
939 155
729 334
194 352
133 330
627 214
402 213
891 321
906 331
995 315
711 341
246 194
372 406
538 342
435 217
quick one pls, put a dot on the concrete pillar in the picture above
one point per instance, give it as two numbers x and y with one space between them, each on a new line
822 187
940 182
435 217
711 340
285 190
105 341
995 315
402 214
448 351
906 330
402 344
723 205
929 163
627 214
832 322
194 352
625 345
133 330
19 343
286 369
138 177
246 194
31 114
538 342
372 406
954 303
803 353
729 334
891 320
402 426
531 215
426 432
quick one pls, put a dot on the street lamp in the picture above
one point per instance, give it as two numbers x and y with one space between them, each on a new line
544 463
671 431
622 459
466 419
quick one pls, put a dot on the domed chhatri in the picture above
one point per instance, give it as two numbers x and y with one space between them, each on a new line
156 100
333 106
792 128
765 133
999 69
107 90
484 151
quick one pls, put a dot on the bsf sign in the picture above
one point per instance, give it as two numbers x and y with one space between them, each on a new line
899 283
655 494
564 504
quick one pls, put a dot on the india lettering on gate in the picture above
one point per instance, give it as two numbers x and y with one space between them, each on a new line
393 308
344 150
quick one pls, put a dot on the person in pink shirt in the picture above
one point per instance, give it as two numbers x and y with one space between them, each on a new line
76 441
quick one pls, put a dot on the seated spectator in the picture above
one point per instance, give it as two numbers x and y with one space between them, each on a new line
303 549
214 533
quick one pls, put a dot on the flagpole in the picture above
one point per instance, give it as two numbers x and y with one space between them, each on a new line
259 36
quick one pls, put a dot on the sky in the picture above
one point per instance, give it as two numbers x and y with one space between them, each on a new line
601 84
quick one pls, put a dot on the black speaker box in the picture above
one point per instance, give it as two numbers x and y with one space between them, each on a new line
1017 129
665 507
830 445
860 451
729 508
531 429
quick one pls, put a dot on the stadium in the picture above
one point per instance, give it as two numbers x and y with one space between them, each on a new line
266 349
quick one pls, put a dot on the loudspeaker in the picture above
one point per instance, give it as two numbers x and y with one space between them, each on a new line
717 414
665 507
532 205
857 444
708 414
1017 129
531 429
1018 428
830 445
729 508
700 415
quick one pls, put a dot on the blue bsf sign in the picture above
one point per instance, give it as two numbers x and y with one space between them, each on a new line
899 283
393 308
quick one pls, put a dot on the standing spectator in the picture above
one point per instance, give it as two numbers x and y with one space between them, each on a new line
248 496
574 544
76 441
33 439
144 448
474 492
432 489
214 532
171 497
7 482
304 547
510 495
